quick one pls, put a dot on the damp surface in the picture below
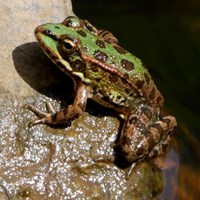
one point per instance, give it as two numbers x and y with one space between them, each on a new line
65 163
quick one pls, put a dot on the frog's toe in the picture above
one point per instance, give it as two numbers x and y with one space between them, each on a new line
38 112
45 118
170 122
35 122
130 170
50 108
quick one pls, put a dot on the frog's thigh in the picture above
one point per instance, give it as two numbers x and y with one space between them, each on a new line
148 142
159 135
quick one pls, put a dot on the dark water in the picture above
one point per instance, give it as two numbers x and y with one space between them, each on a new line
165 34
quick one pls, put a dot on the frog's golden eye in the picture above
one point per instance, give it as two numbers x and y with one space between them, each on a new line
68 46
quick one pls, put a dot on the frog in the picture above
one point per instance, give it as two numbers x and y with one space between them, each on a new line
105 72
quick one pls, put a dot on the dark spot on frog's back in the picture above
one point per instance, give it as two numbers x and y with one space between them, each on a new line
120 49
127 90
127 65
57 27
100 56
100 43
82 33
113 79
126 76
139 84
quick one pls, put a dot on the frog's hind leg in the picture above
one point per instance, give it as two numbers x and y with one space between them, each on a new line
168 124
141 138
65 115
160 147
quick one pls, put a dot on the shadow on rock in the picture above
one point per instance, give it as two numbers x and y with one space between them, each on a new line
40 73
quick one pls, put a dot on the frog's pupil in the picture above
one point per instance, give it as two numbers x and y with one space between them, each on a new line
68 45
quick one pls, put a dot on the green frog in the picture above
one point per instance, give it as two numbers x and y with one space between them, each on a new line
105 72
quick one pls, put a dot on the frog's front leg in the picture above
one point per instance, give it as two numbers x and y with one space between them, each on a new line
144 136
65 115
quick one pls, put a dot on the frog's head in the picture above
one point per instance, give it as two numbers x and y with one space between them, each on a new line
62 43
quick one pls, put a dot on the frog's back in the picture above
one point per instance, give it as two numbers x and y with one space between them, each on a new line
114 62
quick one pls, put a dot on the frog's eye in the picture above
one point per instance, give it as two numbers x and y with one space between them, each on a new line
72 21
68 46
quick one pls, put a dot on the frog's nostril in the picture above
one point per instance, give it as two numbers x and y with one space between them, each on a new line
48 32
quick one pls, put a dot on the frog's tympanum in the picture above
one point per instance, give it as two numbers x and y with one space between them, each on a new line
111 76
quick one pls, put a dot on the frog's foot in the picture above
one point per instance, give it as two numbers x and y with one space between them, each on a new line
54 118
65 115
148 143
45 117
42 115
